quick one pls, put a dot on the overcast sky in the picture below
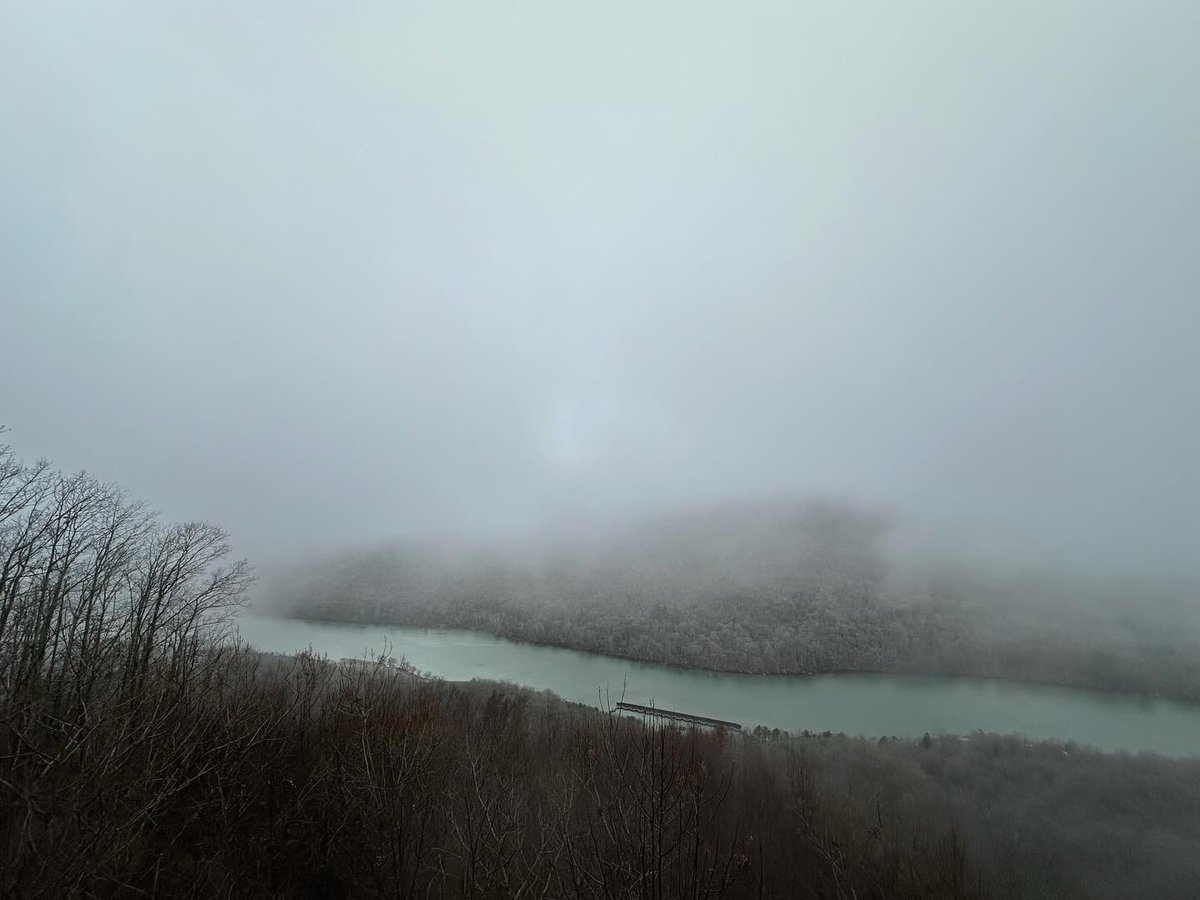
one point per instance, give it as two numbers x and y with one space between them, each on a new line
334 272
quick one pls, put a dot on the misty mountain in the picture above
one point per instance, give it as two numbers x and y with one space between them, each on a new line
782 586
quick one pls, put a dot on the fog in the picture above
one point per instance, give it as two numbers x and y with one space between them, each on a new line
337 276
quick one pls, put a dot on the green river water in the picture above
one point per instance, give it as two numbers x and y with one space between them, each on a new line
900 705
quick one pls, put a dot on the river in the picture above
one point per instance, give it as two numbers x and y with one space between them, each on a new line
859 704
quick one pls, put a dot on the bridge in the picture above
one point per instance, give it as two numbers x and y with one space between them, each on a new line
675 716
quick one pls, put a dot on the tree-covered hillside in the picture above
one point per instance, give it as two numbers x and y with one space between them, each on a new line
782 587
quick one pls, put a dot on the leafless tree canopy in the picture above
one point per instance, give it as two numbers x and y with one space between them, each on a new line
143 754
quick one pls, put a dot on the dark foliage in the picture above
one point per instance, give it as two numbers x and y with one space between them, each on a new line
141 756
293 777
302 779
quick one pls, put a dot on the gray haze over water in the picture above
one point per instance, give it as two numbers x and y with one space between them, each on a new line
331 275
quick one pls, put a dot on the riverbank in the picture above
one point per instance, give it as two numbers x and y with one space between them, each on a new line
1151 671
1010 818
782 589
282 775
867 704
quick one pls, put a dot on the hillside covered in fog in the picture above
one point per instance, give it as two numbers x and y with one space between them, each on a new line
775 338
781 587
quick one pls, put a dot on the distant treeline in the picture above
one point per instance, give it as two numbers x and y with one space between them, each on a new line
791 588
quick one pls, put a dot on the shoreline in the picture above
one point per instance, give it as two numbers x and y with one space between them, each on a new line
1127 693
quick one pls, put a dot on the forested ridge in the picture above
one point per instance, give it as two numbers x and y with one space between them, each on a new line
293 777
143 754
786 588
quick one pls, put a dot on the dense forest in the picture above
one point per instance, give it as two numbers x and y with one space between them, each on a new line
775 588
142 753
298 778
